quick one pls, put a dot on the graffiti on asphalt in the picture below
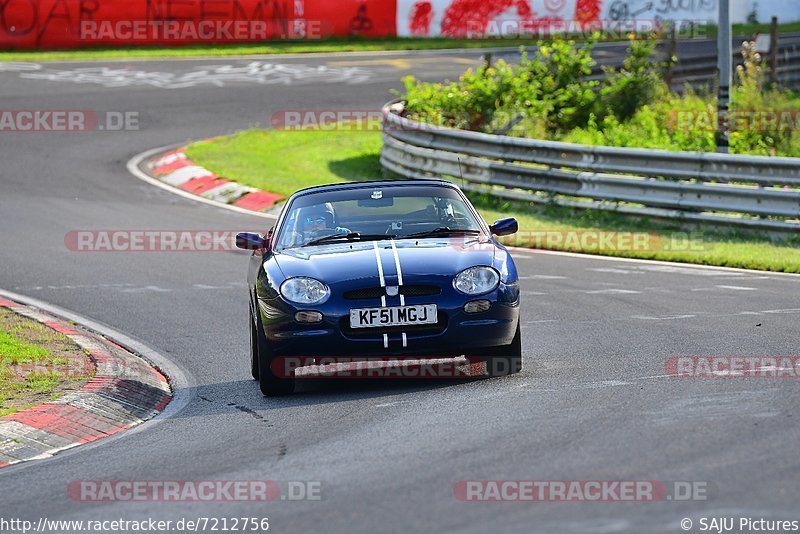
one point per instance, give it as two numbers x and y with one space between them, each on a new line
18 66
254 72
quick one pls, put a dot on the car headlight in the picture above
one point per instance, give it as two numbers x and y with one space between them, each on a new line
476 280
303 290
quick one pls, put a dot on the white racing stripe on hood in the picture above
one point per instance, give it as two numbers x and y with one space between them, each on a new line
399 283
383 284
380 270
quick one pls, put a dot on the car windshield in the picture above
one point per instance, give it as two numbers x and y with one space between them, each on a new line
382 212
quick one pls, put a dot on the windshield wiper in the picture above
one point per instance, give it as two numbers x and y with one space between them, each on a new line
352 236
441 231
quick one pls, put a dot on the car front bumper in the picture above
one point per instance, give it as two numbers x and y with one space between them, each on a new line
456 332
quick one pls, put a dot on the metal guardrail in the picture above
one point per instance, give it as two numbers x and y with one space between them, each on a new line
698 70
753 191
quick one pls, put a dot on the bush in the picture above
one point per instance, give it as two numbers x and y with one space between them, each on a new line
757 127
554 86
551 90
550 96
637 84
470 103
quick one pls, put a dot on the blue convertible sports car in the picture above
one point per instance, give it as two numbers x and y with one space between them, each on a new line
379 269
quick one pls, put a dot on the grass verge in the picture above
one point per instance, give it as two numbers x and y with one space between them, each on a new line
264 48
37 364
284 161
351 44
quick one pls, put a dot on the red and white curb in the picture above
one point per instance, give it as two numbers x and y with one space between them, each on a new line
124 392
175 169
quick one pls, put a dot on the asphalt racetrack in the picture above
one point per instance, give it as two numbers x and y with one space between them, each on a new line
592 403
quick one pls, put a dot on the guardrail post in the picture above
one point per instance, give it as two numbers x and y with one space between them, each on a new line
725 76
487 60
773 51
671 50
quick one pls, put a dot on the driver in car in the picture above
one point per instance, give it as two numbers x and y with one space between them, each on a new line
318 221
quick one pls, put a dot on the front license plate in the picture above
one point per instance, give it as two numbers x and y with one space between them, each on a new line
393 316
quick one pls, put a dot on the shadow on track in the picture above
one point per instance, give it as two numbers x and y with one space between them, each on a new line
245 396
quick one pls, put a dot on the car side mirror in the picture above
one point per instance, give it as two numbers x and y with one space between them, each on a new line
250 241
505 226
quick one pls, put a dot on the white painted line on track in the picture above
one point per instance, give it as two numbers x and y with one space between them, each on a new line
530 254
714 315
654 376
613 270
388 404
680 269
133 168
724 287
662 318
612 292
738 288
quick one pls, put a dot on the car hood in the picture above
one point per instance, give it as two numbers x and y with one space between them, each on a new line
422 259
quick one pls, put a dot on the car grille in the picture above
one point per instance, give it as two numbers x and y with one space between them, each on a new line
378 292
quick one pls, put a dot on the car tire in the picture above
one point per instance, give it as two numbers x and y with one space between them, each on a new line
505 360
269 383
253 345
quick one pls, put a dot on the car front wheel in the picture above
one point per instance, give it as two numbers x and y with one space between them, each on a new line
504 360
253 345
271 384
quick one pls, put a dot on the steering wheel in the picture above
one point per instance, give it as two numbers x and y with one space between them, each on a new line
324 232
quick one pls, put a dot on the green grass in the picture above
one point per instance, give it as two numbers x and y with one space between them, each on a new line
34 363
15 351
285 161
749 30
264 48
350 44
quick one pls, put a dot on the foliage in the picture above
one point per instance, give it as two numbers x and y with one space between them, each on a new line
552 96
636 84
552 89
551 92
